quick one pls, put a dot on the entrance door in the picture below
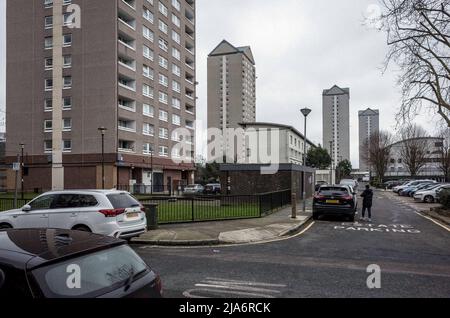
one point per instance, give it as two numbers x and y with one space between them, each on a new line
158 184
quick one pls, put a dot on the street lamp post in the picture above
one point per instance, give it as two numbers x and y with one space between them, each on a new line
22 146
151 168
103 131
305 112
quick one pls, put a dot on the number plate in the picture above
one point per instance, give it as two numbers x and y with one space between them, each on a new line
332 201
132 215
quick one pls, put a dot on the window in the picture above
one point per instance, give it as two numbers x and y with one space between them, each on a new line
163 44
176 120
48 125
176 20
163 133
163 62
48 22
176 54
163 80
163 9
176 103
176 37
67 103
67 39
163 115
163 98
67 82
67 60
147 33
148 15
147 91
176 86
148 110
48 42
176 70
163 151
48 146
147 71
148 129
48 84
163 27
67 124
147 149
48 63
176 4
48 104
147 52
67 145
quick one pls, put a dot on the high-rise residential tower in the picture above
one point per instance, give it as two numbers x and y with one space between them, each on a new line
231 89
336 122
129 66
369 123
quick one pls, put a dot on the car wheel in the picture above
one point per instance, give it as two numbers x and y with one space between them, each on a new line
5 226
429 199
81 228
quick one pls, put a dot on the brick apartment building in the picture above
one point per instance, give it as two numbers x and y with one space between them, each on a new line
129 68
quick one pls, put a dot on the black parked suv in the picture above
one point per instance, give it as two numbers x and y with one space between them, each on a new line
53 263
333 200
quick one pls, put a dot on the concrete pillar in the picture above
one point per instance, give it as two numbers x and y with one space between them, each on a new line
57 165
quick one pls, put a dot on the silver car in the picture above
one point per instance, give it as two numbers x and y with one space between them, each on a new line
108 212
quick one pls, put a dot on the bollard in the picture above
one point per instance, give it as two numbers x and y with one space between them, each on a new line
151 213
294 206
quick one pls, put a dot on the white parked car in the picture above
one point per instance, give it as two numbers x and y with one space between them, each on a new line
350 182
108 212
429 196
412 183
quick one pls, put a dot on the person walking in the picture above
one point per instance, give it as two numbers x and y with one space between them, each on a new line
367 203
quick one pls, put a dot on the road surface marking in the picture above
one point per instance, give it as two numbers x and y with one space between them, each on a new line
213 287
435 222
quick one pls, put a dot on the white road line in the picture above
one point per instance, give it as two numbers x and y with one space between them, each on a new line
189 293
239 282
435 222
239 288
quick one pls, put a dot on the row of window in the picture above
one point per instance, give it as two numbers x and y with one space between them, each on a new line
66 125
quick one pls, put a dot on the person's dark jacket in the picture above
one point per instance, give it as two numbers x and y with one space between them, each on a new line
367 197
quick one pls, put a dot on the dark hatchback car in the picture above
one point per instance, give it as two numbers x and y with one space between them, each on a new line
54 263
335 200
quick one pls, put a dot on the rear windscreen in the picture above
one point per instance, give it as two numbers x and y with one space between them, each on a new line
333 191
122 200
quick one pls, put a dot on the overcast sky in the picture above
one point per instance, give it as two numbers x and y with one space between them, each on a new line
301 47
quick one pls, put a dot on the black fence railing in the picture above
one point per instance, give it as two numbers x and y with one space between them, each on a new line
212 208
142 189
8 203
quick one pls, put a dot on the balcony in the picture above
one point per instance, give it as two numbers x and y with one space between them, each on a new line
190 124
190 109
127 125
127 83
190 63
189 32
126 146
189 16
127 20
127 62
127 41
190 93
130 3
127 104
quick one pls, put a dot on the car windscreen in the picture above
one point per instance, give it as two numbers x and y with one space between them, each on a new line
333 191
91 275
122 200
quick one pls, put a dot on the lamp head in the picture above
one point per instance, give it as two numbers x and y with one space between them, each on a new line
102 130
306 111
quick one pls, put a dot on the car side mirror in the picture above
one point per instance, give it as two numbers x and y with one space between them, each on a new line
26 208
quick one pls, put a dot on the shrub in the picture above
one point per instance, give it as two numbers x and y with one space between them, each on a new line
444 198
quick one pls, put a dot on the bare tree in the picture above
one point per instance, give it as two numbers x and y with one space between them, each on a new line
444 153
418 33
376 151
414 148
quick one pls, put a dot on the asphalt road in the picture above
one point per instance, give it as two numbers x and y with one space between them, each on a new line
330 259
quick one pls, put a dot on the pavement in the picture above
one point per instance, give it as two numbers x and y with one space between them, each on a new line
267 228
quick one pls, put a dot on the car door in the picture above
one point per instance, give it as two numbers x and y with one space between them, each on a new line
38 216
72 209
